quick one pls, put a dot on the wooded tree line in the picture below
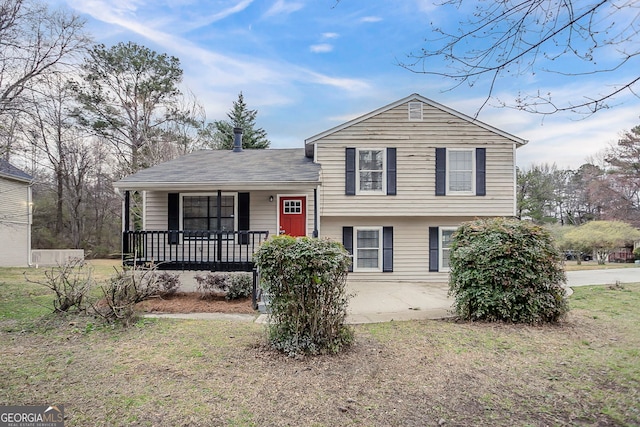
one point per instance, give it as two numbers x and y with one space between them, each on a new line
606 187
78 116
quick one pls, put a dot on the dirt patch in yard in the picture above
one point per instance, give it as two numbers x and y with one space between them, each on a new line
191 302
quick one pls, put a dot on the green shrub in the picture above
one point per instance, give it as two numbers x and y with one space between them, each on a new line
211 285
231 285
636 253
506 270
240 286
306 282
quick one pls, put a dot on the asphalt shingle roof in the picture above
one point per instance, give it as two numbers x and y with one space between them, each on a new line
8 170
227 167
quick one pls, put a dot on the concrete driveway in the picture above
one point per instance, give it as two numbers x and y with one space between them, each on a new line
383 302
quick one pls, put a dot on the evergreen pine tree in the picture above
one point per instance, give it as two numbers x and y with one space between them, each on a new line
239 116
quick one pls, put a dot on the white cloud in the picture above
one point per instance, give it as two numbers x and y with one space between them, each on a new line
321 48
219 15
282 7
426 5
350 85
371 19
329 36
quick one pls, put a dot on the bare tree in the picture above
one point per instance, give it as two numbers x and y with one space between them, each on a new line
33 42
528 37
50 122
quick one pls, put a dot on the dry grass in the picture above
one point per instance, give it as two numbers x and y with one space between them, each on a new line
585 371
218 373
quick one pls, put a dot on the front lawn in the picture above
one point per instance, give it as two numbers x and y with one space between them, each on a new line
584 371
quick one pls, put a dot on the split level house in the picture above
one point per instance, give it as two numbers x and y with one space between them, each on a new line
15 216
391 185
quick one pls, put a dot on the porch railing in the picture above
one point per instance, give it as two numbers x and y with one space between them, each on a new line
192 250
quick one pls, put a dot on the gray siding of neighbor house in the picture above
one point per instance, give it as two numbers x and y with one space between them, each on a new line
14 223
416 143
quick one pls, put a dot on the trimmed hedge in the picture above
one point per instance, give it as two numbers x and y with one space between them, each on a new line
506 270
231 285
305 279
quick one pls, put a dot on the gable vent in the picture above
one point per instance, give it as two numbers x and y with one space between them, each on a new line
415 111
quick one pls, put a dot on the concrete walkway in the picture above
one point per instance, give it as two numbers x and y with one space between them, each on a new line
383 302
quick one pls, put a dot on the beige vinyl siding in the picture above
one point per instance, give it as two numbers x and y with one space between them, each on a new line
263 213
15 254
410 246
155 210
14 223
415 143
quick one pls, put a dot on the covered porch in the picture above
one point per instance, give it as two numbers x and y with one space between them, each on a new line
211 210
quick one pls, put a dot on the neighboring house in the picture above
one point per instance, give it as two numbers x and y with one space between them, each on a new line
391 185
622 254
15 216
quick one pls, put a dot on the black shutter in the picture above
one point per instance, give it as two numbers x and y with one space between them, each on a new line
173 217
433 248
441 171
481 172
387 249
347 242
391 172
350 172
243 217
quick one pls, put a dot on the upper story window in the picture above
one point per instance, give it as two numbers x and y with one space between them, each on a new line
460 171
371 171
201 213
415 111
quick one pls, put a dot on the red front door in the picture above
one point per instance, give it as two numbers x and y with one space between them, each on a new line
293 216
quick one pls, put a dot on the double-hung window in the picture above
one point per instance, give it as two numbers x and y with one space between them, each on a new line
460 171
368 249
371 171
445 247
200 213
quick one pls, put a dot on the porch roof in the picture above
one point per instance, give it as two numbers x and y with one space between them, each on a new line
224 169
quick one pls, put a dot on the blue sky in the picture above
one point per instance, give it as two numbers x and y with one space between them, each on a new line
309 65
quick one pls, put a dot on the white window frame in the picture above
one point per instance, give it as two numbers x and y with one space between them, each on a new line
441 248
235 205
473 172
413 107
384 171
355 249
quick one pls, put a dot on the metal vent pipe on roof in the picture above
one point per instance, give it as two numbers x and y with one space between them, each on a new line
237 140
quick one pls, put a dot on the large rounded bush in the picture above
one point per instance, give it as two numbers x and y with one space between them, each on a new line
506 270
306 282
